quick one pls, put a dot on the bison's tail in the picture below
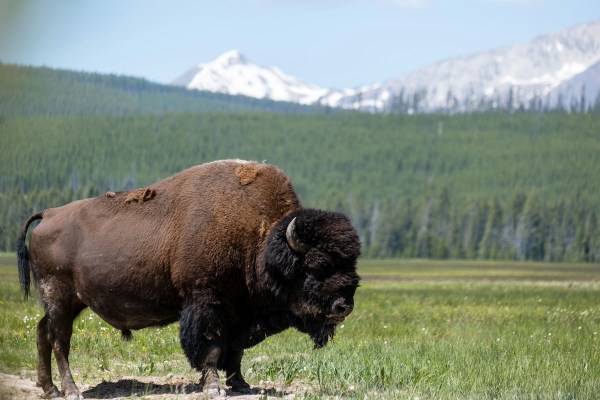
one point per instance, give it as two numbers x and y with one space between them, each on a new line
23 256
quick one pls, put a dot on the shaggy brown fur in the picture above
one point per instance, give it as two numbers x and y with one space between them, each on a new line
207 247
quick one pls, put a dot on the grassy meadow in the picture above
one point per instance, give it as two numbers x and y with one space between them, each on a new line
420 329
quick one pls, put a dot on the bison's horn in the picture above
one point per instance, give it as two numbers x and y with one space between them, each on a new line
293 240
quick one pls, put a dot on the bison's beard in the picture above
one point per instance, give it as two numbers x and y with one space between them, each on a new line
321 337
319 330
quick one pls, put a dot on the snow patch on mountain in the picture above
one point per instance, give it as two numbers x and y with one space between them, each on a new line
233 73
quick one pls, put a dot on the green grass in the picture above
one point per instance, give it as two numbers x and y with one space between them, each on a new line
426 329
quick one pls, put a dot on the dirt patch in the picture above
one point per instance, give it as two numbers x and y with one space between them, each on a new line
152 388
14 387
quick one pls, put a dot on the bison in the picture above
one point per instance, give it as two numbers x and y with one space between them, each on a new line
225 248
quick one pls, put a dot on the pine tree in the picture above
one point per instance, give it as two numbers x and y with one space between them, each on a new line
489 248
532 230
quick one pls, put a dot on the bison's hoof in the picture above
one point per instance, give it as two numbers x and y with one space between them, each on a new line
215 392
73 395
52 393
245 390
240 386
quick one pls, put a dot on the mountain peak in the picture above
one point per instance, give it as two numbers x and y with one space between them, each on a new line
233 73
231 57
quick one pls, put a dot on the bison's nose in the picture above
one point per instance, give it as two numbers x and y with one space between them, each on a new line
341 308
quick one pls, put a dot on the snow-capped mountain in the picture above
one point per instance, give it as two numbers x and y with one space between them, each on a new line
510 77
582 88
233 73
555 69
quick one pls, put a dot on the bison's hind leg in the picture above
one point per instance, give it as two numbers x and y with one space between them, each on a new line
44 360
54 333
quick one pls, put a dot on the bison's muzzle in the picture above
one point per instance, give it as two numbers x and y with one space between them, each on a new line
339 311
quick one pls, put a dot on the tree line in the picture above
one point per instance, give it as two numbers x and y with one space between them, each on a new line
523 228
512 99
483 185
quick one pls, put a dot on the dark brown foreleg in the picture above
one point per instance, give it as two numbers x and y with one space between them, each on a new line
233 368
243 336
202 331
209 379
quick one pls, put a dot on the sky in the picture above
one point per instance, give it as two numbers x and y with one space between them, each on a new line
329 43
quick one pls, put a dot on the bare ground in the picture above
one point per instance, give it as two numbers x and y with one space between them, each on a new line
148 387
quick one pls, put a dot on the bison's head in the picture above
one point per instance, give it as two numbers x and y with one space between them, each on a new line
314 253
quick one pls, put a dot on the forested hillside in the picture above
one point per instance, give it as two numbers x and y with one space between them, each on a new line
490 185
512 186
45 91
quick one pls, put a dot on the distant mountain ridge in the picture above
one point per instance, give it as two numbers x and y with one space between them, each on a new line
554 70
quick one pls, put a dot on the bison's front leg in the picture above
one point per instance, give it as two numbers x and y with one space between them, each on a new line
245 335
233 368
202 333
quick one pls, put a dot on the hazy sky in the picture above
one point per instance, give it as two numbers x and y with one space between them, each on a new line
331 43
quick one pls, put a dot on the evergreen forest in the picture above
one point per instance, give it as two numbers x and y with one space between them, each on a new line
492 185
